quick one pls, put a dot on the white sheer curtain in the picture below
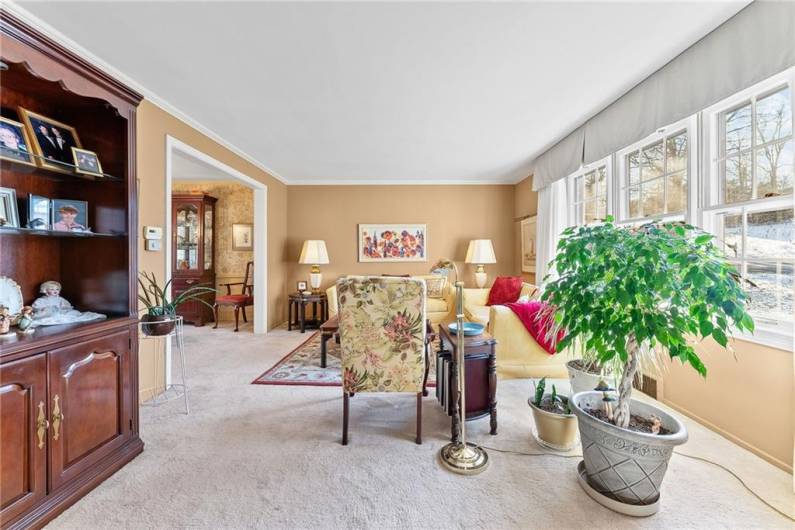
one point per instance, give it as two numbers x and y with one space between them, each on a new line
552 220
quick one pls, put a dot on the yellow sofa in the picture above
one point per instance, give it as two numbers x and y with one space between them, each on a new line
437 310
518 353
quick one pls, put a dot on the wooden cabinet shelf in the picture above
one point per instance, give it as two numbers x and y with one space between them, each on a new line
4 230
68 393
72 176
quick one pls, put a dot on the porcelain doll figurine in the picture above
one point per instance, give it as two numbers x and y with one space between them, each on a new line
25 322
52 308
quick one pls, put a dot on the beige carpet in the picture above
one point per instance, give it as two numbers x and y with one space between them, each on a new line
254 456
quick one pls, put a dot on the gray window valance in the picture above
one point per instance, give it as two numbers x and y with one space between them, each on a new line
756 43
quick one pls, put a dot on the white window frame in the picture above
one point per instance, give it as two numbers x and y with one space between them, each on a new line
571 214
778 334
621 200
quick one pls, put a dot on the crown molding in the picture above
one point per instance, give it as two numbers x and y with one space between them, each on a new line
30 19
402 182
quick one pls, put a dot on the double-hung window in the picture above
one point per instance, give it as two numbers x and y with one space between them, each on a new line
590 189
655 175
749 201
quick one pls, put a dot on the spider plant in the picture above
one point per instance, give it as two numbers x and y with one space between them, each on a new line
156 299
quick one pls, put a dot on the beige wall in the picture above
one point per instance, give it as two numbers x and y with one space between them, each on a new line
235 205
453 215
749 399
525 204
153 125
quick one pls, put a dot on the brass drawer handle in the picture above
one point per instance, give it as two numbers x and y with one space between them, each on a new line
41 425
57 417
190 282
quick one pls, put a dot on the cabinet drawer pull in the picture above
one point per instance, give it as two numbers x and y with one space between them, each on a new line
41 425
190 282
57 417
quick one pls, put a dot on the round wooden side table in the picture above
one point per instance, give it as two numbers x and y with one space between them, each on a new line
296 311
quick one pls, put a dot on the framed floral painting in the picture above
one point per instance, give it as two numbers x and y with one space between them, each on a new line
393 242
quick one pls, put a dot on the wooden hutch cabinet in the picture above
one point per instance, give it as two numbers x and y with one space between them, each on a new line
193 233
68 393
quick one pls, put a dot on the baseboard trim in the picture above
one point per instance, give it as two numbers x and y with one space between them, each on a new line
733 438
54 504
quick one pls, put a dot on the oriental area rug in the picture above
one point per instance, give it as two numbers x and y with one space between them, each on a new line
302 366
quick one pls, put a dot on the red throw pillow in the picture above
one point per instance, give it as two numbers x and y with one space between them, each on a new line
506 289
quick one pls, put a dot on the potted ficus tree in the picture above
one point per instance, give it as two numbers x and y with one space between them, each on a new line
628 296
159 308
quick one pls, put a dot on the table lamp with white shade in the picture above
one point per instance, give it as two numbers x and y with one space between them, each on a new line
480 252
314 253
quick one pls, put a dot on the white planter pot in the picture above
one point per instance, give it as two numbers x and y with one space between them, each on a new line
621 464
583 381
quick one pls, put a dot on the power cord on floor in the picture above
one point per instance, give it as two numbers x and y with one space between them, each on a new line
693 457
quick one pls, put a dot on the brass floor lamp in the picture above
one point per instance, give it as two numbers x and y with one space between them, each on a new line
462 457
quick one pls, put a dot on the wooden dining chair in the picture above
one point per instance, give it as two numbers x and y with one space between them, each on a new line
382 332
238 301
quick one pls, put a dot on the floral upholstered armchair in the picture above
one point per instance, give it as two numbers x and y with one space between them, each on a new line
382 338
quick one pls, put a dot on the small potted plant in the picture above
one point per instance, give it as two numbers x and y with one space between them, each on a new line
629 296
160 311
556 425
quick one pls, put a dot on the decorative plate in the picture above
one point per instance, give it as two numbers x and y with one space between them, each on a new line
470 328
10 295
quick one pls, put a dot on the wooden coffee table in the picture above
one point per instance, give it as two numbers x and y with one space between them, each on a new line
330 328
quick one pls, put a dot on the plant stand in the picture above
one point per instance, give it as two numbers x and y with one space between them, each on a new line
172 391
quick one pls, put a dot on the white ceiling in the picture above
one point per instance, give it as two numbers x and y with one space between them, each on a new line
386 92
186 167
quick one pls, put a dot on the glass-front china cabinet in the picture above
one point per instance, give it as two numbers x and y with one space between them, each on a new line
193 259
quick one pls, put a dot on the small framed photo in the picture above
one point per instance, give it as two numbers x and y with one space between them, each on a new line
86 162
51 140
9 215
69 215
301 286
14 143
39 215
242 236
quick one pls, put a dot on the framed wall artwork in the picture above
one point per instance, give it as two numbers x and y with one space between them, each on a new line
242 236
393 242
51 140
528 229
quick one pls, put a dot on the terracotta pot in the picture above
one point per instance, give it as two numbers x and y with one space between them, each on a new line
158 327
556 431
615 457
585 381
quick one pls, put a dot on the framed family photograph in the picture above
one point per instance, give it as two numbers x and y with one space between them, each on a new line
86 162
39 214
393 242
301 286
9 215
242 236
528 229
69 215
51 140
14 143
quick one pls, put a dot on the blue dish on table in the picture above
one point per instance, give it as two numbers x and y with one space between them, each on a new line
470 329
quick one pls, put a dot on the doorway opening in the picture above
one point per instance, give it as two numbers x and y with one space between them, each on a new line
185 163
